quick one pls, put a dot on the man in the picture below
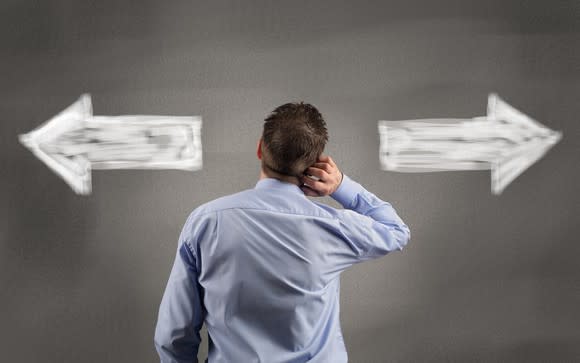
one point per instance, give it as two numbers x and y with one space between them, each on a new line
261 267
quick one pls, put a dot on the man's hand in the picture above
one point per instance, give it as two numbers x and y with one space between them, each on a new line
328 175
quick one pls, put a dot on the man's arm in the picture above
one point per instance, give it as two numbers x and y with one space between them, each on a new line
181 313
368 225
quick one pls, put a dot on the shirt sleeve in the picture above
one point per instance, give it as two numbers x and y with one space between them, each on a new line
181 313
369 226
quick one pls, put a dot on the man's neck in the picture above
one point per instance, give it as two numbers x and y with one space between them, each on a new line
283 178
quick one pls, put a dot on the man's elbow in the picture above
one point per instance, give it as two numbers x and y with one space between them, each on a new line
173 346
404 236
162 341
164 344
395 239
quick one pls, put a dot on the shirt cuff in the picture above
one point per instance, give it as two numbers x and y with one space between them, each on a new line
346 192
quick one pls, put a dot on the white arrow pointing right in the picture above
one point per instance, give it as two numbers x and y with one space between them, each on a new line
505 141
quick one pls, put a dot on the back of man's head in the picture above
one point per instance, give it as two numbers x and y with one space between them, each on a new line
294 137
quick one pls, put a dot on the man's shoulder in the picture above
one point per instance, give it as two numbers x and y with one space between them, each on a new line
236 200
256 200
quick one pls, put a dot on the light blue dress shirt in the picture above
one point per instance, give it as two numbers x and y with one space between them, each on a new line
262 269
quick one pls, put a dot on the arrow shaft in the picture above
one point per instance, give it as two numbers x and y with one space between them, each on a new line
450 144
74 141
131 142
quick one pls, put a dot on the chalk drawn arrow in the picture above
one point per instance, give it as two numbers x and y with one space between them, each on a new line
505 141
74 142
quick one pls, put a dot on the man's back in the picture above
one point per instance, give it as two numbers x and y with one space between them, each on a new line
262 268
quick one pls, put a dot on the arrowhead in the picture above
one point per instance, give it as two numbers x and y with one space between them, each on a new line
75 170
532 140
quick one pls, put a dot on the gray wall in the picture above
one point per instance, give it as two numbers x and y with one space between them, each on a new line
485 278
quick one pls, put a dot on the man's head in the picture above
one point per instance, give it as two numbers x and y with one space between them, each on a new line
294 137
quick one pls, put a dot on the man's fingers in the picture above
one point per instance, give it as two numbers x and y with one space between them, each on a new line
327 159
317 172
310 182
325 177
309 192
317 186
324 166
331 162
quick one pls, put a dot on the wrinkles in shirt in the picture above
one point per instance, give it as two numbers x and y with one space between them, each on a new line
266 266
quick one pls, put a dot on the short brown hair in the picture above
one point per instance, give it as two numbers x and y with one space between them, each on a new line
294 136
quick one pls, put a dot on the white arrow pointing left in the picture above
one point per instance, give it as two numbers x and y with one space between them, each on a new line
74 142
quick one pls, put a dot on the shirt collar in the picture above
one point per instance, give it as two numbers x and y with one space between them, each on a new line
275 184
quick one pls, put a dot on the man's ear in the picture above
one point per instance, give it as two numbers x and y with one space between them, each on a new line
259 149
